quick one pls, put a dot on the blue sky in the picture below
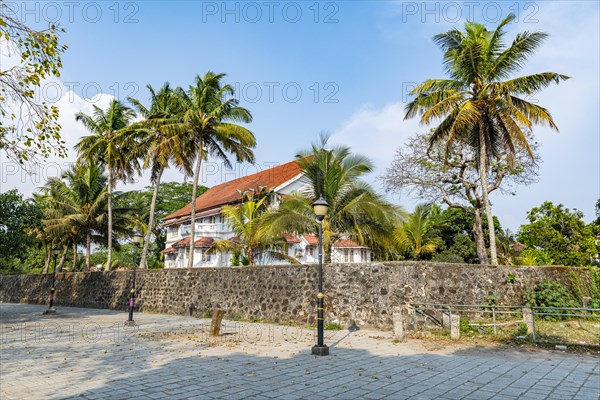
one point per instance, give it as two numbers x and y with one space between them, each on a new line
340 66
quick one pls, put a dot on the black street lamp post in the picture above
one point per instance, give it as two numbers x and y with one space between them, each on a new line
320 207
51 309
137 241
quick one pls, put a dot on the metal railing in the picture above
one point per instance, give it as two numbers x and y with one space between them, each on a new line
433 315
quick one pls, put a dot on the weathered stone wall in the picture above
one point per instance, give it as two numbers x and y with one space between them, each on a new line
365 293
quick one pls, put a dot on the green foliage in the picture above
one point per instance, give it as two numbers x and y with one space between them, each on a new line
332 326
254 243
465 326
355 210
172 196
237 259
482 104
511 278
552 294
447 256
556 235
415 235
28 128
18 217
584 287
521 329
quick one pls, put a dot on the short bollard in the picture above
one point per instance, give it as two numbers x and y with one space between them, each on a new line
527 320
398 327
445 320
455 327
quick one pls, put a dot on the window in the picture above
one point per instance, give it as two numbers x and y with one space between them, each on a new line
311 251
348 256
205 256
185 230
364 256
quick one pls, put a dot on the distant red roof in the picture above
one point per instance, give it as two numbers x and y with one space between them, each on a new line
346 243
228 192
169 250
201 242
291 238
311 239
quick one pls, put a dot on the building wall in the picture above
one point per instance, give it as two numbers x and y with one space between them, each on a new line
365 293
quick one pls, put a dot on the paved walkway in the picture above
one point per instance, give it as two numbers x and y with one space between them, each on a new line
89 354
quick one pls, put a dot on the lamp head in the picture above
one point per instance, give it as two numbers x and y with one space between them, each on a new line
138 239
55 250
320 207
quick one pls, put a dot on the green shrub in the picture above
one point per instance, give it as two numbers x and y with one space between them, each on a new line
521 329
465 326
552 294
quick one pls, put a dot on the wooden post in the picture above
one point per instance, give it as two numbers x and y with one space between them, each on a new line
215 324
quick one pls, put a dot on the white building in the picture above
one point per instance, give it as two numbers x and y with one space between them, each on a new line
211 225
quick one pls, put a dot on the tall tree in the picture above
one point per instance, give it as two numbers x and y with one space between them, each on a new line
77 206
161 146
110 145
558 235
355 210
427 171
28 127
18 217
481 104
209 123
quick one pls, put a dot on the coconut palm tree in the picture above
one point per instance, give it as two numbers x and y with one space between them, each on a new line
482 104
76 208
160 146
76 202
416 234
209 123
109 145
355 210
253 240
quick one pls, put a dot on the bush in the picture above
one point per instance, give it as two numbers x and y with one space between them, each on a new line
521 329
552 294
465 326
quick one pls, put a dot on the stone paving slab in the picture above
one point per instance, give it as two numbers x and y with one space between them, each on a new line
83 353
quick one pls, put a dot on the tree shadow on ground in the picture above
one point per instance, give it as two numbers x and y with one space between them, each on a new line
136 364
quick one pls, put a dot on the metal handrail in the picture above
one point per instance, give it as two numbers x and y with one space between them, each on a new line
503 310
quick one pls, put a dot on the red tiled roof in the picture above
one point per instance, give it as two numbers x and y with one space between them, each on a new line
311 239
201 242
228 192
291 238
346 243
169 250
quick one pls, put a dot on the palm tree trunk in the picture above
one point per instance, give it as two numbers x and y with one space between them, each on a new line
74 266
478 236
109 247
143 259
88 241
484 195
47 257
193 213
63 257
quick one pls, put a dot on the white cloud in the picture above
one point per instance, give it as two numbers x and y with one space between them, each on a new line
30 176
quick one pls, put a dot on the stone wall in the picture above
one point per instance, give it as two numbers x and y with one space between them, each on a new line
365 293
